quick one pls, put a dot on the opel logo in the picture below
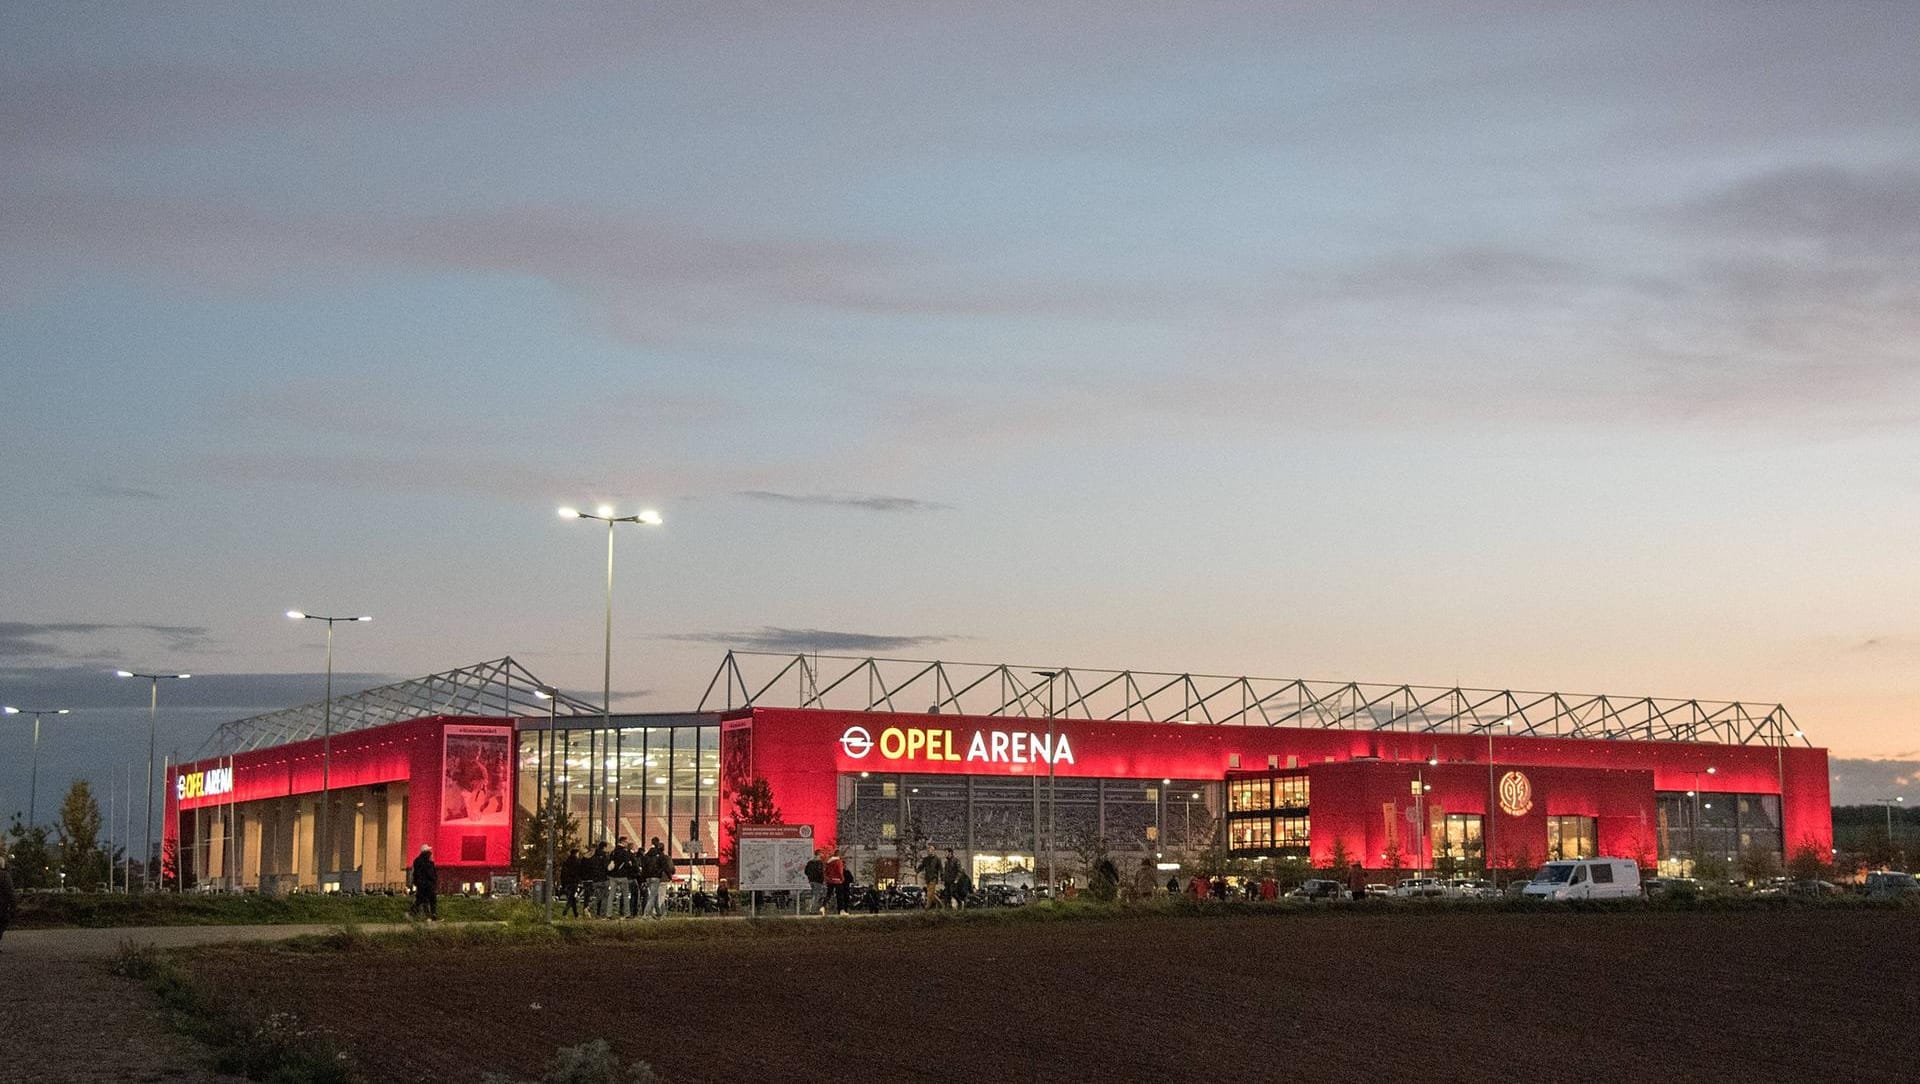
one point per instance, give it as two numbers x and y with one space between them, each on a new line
856 742
1516 794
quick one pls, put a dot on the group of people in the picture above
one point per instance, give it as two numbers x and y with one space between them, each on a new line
625 882
945 883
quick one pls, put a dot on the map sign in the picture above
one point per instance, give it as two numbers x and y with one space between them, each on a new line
773 857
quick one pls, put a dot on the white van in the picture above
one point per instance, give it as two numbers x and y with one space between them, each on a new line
1585 879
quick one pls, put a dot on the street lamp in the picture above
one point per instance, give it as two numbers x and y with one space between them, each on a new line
1493 802
552 696
1693 843
1889 803
604 513
1053 843
33 788
153 729
1421 787
322 843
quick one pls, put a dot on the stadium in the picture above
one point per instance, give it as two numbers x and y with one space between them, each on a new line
1019 770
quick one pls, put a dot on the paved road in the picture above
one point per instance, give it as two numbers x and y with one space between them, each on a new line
63 1017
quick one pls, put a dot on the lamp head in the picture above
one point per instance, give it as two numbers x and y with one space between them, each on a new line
364 617
297 615
542 694
605 511
649 517
1711 770
569 513
64 711
123 673
10 710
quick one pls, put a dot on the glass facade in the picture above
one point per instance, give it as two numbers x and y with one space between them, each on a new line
1573 837
1268 814
1718 829
640 781
1001 821
1457 836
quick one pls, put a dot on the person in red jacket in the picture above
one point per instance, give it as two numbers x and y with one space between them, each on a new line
835 876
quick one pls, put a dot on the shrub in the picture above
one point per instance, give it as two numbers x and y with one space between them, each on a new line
588 1063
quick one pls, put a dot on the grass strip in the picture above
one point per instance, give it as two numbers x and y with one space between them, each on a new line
260 1045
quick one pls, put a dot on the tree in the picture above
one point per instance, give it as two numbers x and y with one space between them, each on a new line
1339 859
30 857
752 804
1758 864
535 827
1807 863
1096 865
1396 862
79 834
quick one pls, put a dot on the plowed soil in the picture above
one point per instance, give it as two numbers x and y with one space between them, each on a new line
1793 995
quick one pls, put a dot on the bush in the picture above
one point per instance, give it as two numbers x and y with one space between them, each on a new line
588 1063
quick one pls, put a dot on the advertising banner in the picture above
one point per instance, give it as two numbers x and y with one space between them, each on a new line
475 785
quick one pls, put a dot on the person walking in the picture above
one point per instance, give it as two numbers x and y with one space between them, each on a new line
816 873
570 881
834 875
658 869
426 885
624 867
6 896
597 881
950 879
929 870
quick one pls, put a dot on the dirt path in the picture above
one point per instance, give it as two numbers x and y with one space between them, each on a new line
64 1018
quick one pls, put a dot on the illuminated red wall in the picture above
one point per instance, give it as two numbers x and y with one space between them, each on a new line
408 752
800 754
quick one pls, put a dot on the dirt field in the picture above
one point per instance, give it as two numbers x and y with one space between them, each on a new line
1799 995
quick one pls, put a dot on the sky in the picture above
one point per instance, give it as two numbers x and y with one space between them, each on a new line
1567 349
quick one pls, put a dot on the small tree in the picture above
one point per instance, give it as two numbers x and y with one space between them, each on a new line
1808 863
1339 859
535 827
1096 865
1710 869
30 857
1758 864
1396 862
752 804
79 833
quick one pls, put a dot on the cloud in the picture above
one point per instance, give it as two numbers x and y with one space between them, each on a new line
864 503
57 639
772 638
120 491
1866 781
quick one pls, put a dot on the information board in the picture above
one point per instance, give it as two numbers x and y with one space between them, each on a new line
773 857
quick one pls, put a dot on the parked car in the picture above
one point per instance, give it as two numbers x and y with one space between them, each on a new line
1815 887
1890 883
1462 888
1586 879
1319 890
1420 888
1379 890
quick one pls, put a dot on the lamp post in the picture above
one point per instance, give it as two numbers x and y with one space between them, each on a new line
1493 803
1053 843
33 787
153 731
1693 843
552 696
1421 787
322 843
604 514
1889 803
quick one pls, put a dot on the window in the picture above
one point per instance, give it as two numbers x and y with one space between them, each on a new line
1290 831
1572 837
1249 795
1603 874
1457 835
1290 792
1252 833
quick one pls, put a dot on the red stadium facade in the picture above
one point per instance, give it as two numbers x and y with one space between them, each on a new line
1008 792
